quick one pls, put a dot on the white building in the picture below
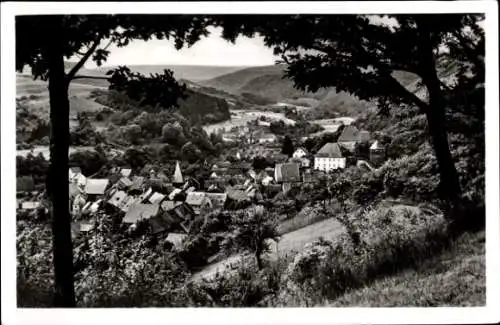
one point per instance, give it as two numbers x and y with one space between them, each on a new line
329 158
300 153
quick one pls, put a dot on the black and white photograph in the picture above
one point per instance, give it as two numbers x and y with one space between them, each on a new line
234 159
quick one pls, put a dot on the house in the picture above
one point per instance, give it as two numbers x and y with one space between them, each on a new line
236 194
364 136
176 239
287 172
267 138
218 199
94 206
164 221
307 177
198 201
76 176
125 172
266 181
118 199
349 137
128 202
96 187
78 227
145 195
138 183
75 189
300 153
78 204
139 211
173 194
177 179
156 198
185 213
377 153
168 205
329 157
30 205
124 183
303 161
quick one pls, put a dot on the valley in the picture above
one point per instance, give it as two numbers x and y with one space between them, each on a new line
230 186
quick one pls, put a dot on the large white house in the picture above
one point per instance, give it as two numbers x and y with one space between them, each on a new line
329 157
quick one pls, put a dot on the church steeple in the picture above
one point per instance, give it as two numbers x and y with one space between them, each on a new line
178 174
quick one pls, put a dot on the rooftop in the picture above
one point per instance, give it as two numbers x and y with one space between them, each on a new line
330 150
350 133
96 186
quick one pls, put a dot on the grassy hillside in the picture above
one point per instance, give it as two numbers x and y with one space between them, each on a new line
267 83
34 95
455 278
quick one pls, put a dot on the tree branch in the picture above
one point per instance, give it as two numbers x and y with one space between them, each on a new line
406 94
71 74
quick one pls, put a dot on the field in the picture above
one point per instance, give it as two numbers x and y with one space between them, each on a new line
288 244
38 96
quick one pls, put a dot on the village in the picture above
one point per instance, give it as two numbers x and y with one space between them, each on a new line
249 160
230 184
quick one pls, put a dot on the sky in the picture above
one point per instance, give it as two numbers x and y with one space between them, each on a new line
211 50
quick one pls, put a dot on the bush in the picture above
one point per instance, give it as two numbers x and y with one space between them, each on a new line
390 239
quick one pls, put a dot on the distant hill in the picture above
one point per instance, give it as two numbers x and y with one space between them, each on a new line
268 82
189 72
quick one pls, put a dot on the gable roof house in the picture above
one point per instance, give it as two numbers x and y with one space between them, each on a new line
76 176
118 199
287 173
218 199
95 186
377 153
364 136
300 152
303 161
349 137
138 183
198 201
139 211
125 172
329 157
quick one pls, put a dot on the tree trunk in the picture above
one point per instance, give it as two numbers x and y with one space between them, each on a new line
449 182
259 259
58 174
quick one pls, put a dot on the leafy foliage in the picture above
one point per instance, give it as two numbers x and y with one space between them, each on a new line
250 231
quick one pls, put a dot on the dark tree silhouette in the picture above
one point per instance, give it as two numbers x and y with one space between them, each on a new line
287 148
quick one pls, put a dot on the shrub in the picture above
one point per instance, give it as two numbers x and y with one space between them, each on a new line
390 239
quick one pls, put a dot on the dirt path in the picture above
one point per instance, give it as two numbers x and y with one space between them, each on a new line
289 244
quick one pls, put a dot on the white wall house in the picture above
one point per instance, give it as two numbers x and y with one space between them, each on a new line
300 153
329 158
